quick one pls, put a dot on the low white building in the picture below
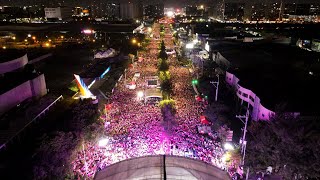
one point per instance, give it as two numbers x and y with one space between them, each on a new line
59 13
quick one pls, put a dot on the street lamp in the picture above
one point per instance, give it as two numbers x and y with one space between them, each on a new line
29 35
134 41
140 95
216 85
243 141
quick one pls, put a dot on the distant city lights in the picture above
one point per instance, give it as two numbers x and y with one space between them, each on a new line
88 31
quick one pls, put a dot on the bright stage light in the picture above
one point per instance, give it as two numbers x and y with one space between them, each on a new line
140 94
103 142
189 46
195 41
228 146
170 13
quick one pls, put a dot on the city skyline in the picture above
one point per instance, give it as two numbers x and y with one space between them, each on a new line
167 3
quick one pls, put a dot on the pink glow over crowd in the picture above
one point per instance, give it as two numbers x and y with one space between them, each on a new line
135 129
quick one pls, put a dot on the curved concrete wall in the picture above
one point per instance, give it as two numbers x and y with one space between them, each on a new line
32 88
259 112
13 64
151 167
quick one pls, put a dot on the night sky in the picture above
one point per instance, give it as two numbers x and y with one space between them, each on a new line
168 3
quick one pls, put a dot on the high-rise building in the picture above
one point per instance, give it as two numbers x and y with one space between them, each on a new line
273 11
191 11
258 11
131 10
111 11
58 13
234 11
153 11
315 9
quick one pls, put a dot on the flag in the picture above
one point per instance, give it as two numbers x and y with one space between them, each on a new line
107 107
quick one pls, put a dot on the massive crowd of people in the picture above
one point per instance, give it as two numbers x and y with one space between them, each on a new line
136 129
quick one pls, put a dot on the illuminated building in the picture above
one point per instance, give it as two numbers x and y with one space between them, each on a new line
81 12
153 11
131 10
258 11
58 13
234 11
111 11
262 84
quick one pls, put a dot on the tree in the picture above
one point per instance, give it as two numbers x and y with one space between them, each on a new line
166 86
162 54
168 111
290 145
164 75
54 156
163 65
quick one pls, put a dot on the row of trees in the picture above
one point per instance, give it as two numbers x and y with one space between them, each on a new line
53 158
167 105
164 74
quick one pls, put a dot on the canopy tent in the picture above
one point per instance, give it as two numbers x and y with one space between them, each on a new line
154 92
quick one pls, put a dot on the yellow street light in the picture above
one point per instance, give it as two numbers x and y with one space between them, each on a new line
49 40
14 38
4 47
33 37
26 40
134 41
61 37
93 40
139 44
47 44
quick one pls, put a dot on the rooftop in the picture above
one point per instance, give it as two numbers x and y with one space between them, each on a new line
12 79
160 166
277 74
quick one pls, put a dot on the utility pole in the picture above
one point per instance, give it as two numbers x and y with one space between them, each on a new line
243 139
216 85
